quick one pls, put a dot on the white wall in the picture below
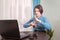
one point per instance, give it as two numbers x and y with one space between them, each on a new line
52 12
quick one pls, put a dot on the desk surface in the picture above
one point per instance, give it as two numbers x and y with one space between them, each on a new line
43 36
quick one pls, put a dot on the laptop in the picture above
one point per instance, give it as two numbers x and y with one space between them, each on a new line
9 30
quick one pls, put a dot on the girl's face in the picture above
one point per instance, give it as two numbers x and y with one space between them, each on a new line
36 12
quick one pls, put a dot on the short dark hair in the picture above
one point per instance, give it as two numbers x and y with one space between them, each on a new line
40 8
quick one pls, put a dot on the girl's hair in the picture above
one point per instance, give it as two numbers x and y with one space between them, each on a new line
40 8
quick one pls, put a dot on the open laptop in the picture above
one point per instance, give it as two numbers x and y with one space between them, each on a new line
9 30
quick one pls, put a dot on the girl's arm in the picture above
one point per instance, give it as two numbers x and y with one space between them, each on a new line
27 24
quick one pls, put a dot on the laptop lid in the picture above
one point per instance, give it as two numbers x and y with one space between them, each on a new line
9 29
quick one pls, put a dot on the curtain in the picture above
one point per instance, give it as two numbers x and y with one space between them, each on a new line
21 10
16 9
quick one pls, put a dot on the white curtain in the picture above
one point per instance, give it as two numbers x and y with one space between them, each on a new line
16 9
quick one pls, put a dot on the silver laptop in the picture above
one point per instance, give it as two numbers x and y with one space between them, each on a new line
9 30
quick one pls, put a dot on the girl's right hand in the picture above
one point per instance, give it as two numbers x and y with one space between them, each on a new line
32 24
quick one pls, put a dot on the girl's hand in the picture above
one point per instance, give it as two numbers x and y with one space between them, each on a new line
32 24
36 19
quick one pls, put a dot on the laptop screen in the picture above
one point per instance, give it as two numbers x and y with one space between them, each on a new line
9 29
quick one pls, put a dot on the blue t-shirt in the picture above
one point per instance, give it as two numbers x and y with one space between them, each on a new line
44 24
